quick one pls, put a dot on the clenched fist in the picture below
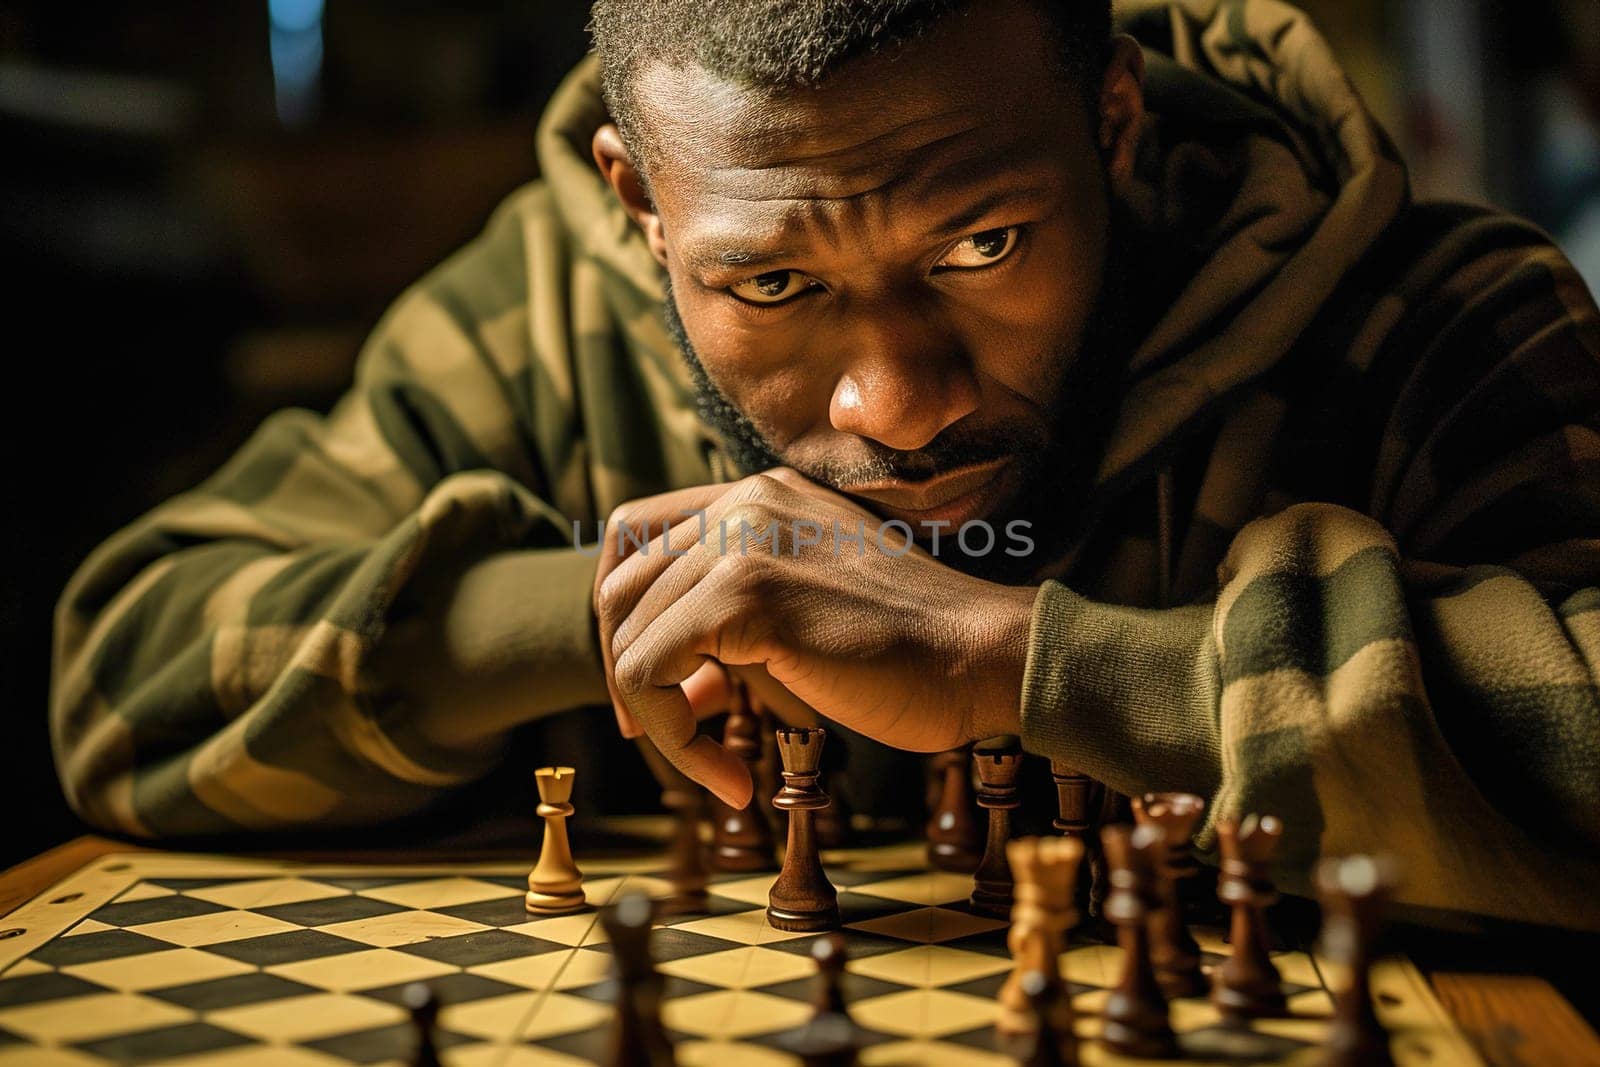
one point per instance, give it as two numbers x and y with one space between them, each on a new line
803 593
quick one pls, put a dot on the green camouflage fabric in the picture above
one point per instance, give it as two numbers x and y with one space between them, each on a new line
1343 564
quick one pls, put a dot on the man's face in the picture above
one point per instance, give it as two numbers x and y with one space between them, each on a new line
891 277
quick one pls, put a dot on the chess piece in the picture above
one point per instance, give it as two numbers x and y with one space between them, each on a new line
686 866
638 1039
1112 810
833 822
998 763
555 886
1135 1016
831 1038
802 899
1047 1044
1076 805
1173 950
953 843
1247 985
1046 871
1354 892
741 838
422 1003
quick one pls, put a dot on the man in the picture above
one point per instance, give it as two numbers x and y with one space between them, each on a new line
1294 487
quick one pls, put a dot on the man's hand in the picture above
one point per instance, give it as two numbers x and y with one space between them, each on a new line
874 634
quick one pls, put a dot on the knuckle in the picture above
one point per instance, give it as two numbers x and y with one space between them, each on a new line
753 515
751 574
611 598
632 671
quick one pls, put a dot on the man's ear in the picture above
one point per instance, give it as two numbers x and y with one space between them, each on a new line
1121 109
616 166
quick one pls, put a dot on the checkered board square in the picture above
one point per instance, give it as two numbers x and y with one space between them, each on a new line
209 960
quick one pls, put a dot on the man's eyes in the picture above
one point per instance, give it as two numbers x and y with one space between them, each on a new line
975 252
980 250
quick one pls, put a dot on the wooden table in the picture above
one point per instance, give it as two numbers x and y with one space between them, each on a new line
1516 1019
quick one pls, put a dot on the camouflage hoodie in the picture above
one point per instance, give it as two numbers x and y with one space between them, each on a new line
1343 564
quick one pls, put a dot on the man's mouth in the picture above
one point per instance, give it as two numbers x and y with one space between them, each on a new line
954 496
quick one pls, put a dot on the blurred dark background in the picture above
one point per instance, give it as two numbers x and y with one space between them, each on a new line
204 206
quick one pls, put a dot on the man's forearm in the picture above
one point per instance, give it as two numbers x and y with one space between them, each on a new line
1300 692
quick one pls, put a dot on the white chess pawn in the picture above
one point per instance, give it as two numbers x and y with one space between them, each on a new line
556 885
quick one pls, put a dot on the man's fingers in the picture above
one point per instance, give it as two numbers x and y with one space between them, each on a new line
709 690
653 668
667 710
627 527
646 585
771 694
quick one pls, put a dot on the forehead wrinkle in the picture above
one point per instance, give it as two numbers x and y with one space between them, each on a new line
787 225
821 177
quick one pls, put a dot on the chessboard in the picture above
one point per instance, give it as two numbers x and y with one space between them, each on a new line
229 961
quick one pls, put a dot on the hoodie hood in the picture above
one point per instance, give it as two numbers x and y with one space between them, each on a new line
1258 164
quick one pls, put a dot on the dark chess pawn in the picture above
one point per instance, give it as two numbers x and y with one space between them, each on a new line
686 863
998 762
638 1039
831 1038
741 839
1172 947
1075 820
802 899
1047 1043
953 839
833 822
1354 893
1134 1020
423 1004
1247 985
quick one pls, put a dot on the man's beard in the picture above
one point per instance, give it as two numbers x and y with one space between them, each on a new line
1058 467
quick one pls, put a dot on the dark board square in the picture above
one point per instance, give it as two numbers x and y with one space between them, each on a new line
988 943
450 989
169 1042
672 986
395 1042
184 884
799 1040
518 882
291 946
329 910
856 987
667 944
90 948
484 946
845 876
985 1038
858 944
154 910
593 1044
714 905
502 911
859 907
215 994
357 883
986 987
37 988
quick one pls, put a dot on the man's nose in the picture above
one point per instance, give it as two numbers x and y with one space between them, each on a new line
904 380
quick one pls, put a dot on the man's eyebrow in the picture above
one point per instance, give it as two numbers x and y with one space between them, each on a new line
706 260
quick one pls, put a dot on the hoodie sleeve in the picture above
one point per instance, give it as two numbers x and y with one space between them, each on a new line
346 618
1420 677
